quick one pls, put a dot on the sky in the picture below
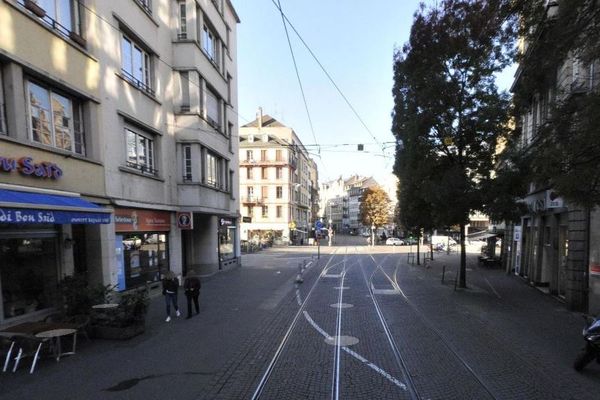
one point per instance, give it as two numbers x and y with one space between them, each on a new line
354 41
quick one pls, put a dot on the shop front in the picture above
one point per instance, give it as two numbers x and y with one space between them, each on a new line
227 239
37 230
142 246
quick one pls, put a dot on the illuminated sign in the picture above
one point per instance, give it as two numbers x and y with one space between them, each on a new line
26 166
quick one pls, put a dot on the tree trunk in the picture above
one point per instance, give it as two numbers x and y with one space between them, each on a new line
462 279
418 250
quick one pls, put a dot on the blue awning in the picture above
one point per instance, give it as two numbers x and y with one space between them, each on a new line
18 207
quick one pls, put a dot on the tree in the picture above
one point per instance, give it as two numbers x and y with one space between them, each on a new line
565 154
374 207
448 111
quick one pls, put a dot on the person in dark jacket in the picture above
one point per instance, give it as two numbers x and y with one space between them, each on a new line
192 285
170 285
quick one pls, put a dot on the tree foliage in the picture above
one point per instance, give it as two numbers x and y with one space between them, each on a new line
448 112
564 154
374 207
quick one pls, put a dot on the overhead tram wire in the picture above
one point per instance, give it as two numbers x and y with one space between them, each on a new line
116 28
327 74
287 35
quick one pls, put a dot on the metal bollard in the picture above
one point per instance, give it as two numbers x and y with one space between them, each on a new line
299 276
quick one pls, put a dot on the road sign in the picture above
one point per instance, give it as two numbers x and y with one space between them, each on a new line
185 220
319 225
292 225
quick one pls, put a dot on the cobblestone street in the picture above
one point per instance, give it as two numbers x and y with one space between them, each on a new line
402 334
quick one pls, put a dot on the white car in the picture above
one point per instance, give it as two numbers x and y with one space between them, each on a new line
394 242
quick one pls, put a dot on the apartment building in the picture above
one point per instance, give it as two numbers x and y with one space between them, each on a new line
116 151
277 183
556 244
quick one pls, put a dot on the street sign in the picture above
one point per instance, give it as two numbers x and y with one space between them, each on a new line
319 225
292 225
185 220
246 219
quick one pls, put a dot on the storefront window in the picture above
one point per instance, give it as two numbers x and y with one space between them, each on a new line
226 241
145 257
28 274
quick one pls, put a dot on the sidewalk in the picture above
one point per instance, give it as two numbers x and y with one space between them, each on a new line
175 360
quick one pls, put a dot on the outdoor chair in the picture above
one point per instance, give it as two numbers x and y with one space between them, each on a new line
28 346
81 322
7 343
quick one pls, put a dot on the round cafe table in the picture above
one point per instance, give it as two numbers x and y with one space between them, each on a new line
104 306
56 334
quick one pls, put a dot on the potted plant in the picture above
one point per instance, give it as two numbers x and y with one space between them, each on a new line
77 296
124 321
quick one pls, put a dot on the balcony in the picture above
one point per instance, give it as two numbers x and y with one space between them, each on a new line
263 163
252 200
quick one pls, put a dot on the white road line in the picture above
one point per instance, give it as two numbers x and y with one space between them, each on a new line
335 390
354 354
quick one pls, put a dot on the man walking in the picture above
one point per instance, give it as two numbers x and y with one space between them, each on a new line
192 285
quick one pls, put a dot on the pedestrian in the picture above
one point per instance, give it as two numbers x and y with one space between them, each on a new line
170 285
192 286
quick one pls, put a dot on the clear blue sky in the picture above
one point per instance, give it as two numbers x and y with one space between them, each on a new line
355 42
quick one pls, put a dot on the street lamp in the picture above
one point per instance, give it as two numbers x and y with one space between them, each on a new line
372 234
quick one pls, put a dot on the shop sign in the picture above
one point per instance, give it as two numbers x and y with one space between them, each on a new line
595 270
134 220
185 220
247 219
553 200
225 222
26 166
517 233
26 216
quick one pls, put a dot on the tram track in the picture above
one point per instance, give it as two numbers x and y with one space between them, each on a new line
423 318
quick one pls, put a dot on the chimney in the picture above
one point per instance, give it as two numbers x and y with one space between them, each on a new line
259 118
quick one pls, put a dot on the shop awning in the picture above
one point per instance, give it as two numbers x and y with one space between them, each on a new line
19 207
482 235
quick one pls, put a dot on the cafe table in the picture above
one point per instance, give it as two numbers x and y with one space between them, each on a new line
56 335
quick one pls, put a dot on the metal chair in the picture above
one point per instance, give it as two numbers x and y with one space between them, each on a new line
29 346
7 343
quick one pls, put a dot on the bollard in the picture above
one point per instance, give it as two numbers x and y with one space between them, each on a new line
299 276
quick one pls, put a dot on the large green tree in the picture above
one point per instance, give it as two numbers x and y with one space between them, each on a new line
448 109
564 36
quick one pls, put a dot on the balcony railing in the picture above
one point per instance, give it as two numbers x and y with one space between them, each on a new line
68 32
136 82
143 168
252 200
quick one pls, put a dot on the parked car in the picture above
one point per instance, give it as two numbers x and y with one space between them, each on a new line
394 242
409 241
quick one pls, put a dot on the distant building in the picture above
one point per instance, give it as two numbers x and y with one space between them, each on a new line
278 182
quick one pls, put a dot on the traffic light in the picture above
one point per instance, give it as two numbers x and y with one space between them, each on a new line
361 147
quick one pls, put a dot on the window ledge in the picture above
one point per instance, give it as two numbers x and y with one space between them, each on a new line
204 185
37 20
138 173
148 95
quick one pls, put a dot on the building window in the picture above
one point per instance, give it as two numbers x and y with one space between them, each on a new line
265 211
279 211
184 78
135 64
249 155
61 15
278 155
263 155
146 5
279 191
265 192
182 34
187 163
212 170
279 173
249 174
209 44
140 151
250 192
264 173
213 109
55 119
